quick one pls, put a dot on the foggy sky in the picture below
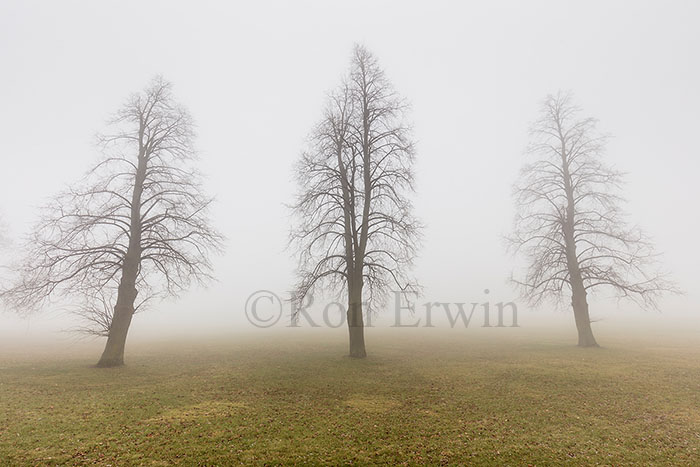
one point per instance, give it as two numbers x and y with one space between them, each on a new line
255 76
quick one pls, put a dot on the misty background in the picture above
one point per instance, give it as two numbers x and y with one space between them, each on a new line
255 76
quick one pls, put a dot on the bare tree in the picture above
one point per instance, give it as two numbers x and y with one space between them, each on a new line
569 224
136 224
356 232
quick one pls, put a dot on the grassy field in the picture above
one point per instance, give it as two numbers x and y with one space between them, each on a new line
419 398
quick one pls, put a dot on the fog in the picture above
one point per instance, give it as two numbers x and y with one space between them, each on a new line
255 76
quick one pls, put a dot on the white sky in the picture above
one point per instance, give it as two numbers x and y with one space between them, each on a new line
254 75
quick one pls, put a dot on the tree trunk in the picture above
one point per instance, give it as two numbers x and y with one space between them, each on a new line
113 354
356 323
578 290
583 320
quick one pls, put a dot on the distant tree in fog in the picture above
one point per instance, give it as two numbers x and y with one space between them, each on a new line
5 244
4 248
355 229
3 232
570 226
134 228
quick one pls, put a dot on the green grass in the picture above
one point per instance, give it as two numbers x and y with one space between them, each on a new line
418 398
